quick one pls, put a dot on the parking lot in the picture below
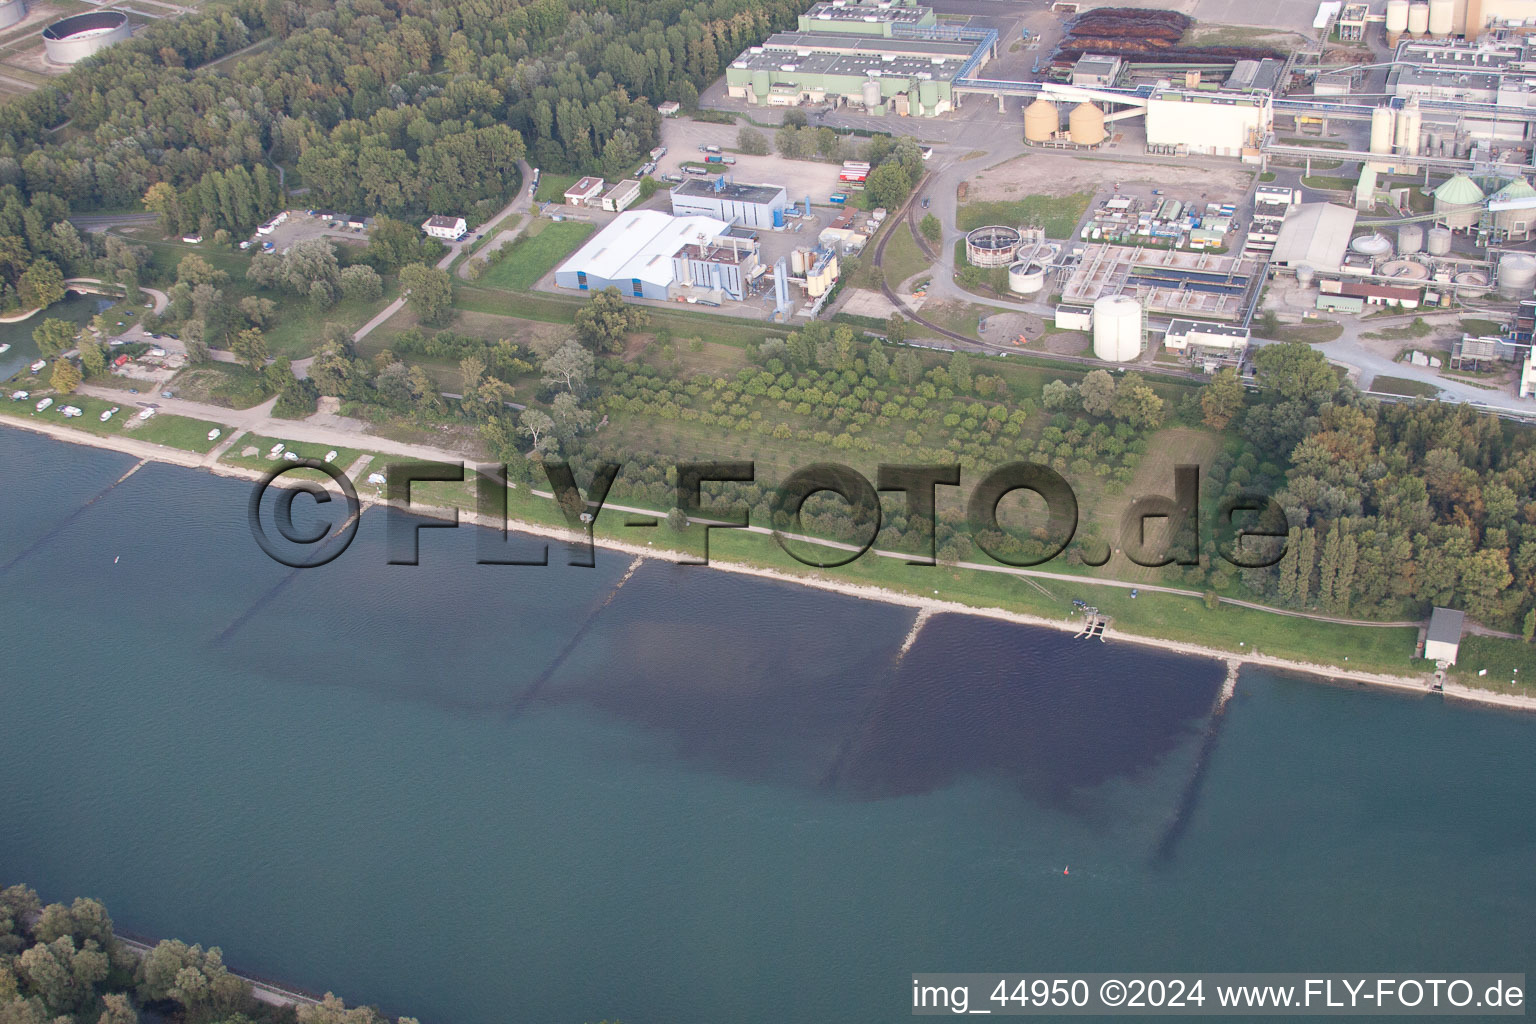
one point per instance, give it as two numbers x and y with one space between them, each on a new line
301 225
800 178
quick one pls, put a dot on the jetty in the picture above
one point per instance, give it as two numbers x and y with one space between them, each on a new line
1095 623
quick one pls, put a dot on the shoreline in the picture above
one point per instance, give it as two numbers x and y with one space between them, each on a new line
926 607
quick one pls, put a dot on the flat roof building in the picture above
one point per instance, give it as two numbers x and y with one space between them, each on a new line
877 19
1211 344
753 206
1443 641
1207 123
584 192
634 253
724 264
1095 70
618 198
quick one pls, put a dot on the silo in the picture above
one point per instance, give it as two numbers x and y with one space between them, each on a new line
1382 123
1517 275
1305 275
1410 124
871 93
1117 328
1418 19
1438 241
11 12
928 96
1442 17
1397 20
1087 125
1512 221
760 86
1041 121
1410 239
1459 202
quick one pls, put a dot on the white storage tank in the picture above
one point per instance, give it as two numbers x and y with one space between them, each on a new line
12 12
1410 124
1438 241
1442 17
871 93
1418 19
797 261
1382 123
1410 239
1117 328
1026 278
1397 19
1041 121
1306 274
1473 284
1517 275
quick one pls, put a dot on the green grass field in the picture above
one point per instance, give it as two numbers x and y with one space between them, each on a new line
1058 215
535 254
344 456
552 187
1404 386
172 431
1510 664
903 258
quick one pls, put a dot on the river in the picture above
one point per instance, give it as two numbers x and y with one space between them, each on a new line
480 794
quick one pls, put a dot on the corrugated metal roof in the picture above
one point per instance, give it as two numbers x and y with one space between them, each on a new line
639 244
1460 191
1316 234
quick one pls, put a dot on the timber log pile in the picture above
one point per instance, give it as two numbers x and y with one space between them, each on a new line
1147 36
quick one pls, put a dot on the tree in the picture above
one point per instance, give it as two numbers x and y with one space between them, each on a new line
569 417
878 363
568 366
429 291
960 372
909 368
332 1010
888 185
393 243
1059 396
606 319
1297 371
1097 392
361 282
259 311
54 337
93 358
677 520
931 228
1221 399
162 199
250 347
116 1009
535 425
197 980
752 142
41 285
66 376
194 270
1528 630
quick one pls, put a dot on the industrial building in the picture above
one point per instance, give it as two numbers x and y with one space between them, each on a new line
877 19
1096 70
1314 235
1528 376
1208 123
71 40
1164 281
634 253
909 72
585 192
619 198
755 206
1210 345
1443 640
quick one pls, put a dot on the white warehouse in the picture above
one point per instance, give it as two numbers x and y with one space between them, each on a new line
753 206
1207 124
634 254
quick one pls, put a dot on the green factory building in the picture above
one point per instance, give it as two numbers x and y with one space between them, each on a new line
841 18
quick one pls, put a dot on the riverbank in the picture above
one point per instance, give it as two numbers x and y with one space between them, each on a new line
926 606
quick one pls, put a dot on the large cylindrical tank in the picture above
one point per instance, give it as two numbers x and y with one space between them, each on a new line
1410 239
1437 242
1306 274
1473 284
1382 122
1517 275
1397 17
12 11
1404 270
1041 120
1117 328
1418 19
1087 125
1459 202
871 93
73 39
761 84
928 95
1442 17
797 261
1516 221
1026 278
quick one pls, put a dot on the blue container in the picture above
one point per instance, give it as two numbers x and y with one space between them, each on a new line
778 218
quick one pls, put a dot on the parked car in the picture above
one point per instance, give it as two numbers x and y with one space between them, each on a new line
925 202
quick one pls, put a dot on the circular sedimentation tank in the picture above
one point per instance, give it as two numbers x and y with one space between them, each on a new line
1041 121
1517 274
1026 278
1117 328
1471 285
1404 270
71 40
1371 245
1086 125
992 246
11 12
1410 239
1438 241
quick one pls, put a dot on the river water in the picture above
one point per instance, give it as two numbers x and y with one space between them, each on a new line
482 794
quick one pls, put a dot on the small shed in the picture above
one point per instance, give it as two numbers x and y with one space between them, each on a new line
1444 638
584 192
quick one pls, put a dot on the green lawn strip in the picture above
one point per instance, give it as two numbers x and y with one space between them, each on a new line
552 187
903 258
1404 386
1058 215
166 429
1166 616
534 255
1328 183
1479 327
1510 664
305 449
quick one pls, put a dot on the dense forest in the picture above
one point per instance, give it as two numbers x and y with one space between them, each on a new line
64 964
